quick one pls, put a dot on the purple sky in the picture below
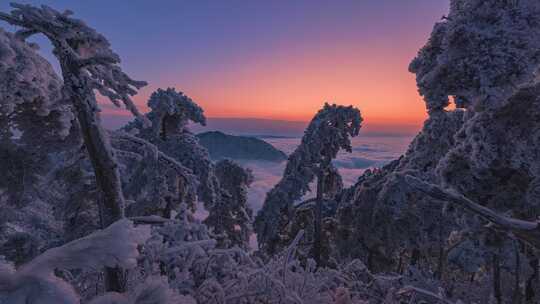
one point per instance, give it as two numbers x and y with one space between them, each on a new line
270 59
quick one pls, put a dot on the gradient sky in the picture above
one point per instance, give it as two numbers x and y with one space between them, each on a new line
270 59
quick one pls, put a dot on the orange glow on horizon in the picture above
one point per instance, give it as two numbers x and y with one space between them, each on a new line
293 85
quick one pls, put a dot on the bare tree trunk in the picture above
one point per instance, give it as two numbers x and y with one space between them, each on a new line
105 167
317 244
415 257
400 262
442 257
530 290
497 278
516 298
111 199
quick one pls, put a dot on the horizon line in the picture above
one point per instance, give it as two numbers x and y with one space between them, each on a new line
381 121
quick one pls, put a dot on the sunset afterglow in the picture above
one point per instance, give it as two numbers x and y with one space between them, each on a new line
279 60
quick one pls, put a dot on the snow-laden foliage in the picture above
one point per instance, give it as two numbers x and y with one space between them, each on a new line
480 54
88 64
495 162
33 114
178 250
485 54
85 55
154 290
391 221
171 112
230 218
43 181
182 251
38 134
485 151
156 183
399 235
30 94
328 133
499 147
36 282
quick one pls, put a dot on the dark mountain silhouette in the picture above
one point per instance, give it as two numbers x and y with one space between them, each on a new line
221 145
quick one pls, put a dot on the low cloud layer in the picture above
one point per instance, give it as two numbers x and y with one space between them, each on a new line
368 152
354 163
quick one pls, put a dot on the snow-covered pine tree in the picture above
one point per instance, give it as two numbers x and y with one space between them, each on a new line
486 54
88 64
170 114
230 218
480 54
38 133
155 184
328 133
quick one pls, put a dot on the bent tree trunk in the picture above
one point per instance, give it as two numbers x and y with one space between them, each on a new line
318 218
111 198
497 278
317 223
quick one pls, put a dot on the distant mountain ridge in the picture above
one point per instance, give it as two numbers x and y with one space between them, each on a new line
265 128
221 145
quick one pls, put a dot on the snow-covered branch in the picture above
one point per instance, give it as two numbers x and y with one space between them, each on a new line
36 281
525 230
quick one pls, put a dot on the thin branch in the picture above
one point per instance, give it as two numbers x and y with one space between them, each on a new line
412 289
24 34
11 20
101 60
149 220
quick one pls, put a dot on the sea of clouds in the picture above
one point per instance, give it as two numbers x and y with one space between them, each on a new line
368 152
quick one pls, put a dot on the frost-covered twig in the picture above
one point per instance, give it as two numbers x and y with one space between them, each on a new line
149 220
290 252
413 290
